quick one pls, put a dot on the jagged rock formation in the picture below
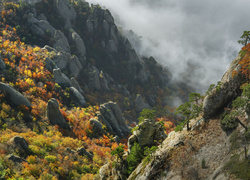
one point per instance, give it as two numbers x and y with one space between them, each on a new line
93 50
96 125
140 104
97 79
43 28
75 84
15 159
50 65
104 172
54 115
74 66
146 133
61 59
61 78
14 96
77 96
79 46
66 11
64 61
111 116
89 58
18 145
224 93
82 152
94 82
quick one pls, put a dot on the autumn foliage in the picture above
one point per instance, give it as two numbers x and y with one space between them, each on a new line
26 72
48 157
244 62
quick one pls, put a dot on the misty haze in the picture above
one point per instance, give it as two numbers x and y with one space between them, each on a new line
196 40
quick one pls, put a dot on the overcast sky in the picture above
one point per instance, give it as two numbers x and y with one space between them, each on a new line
196 39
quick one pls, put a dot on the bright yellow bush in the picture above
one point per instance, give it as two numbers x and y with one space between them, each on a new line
51 158
31 159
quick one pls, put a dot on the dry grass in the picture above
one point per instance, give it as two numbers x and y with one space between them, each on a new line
210 143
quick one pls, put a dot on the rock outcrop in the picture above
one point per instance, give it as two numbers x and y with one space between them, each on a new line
15 159
79 46
97 79
104 172
93 75
50 65
43 28
75 84
227 90
61 42
103 81
111 116
18 145
54 115
13 95
146 133
66 11
78 98
140 104
74 66
66 62
40 27
96 126
82 152
61 78
61 59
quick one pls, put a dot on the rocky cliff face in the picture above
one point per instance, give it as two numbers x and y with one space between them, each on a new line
96 29
227 89
86 44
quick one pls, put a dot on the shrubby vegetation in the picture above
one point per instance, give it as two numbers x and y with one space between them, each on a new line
228 122
146 114
136 156
245 38
189 110
238 167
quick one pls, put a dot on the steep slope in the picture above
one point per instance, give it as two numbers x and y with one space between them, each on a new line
218 143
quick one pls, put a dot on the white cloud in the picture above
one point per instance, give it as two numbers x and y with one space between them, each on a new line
179 34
